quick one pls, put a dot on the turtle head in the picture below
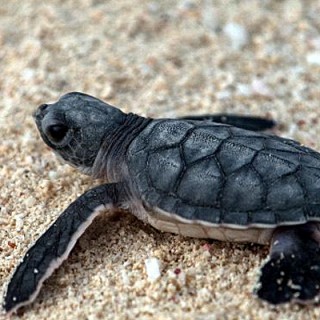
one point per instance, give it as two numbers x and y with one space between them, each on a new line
75 126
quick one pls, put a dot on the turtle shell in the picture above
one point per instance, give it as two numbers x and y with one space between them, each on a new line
221 175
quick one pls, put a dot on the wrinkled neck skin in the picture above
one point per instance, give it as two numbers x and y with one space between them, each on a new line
110 161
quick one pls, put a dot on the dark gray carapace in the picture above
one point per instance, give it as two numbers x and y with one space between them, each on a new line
195 176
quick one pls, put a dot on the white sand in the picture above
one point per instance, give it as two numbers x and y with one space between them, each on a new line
158 59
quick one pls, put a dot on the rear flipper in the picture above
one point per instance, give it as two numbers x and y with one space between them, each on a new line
54 246
244 122
292 271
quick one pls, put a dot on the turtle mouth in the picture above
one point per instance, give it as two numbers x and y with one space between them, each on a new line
87 170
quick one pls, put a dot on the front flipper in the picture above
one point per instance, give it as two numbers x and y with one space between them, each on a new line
54 246
292 272
244 122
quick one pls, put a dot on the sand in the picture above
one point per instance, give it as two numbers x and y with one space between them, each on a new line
161 58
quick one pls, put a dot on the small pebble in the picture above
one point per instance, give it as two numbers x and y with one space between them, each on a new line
237 35
53 175
19 221
177 271
314 58
260 88
30 201
153 268
124 276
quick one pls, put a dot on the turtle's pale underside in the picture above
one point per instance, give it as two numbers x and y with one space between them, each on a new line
211 177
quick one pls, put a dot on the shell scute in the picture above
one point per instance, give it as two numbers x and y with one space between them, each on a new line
271 168
234 218
285 193
185 211
200 143
231 151
294 215
211 215
165 168
243 191
204 189
168 133
263 218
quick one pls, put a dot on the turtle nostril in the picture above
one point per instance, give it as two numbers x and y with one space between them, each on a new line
39 113
43 107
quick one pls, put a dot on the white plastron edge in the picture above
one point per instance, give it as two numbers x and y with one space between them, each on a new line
255 232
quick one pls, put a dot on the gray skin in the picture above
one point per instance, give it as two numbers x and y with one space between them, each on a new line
196 176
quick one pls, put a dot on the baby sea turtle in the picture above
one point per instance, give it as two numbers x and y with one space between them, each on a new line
195 177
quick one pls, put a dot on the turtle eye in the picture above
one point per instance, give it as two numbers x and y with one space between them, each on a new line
57 132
